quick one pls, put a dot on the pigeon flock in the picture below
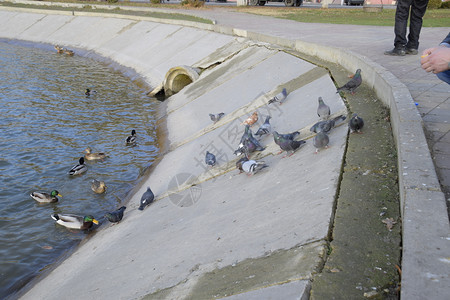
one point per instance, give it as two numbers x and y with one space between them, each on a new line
287 141
248 144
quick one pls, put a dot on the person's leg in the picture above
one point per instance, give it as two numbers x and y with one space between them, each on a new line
444 76
401 22
418 9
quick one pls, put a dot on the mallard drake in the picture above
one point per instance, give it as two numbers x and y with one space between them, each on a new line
59 49
79 168
131 140
98 186
74 221
92 156
88 93
43 197
69 52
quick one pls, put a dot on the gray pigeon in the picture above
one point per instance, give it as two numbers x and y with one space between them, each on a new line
265 128
323 110
280 97
216 118
252 166
240 162
289 136
115 216
210 159
352 84
287 144
146 199
248 143
321 140
356 123
247 146
327 125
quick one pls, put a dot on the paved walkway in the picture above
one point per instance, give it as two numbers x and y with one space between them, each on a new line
431 95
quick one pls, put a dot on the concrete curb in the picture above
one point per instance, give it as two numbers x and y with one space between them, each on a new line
425 228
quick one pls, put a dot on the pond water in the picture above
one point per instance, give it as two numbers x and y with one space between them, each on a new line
46 124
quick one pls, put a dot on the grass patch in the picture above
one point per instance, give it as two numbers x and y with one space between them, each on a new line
88 7
356 16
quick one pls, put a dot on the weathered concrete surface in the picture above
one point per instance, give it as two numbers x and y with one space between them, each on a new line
216 219
396 81
374 40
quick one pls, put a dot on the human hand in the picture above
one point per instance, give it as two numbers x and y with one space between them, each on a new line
435 59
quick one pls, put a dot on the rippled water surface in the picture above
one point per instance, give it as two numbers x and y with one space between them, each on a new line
46 123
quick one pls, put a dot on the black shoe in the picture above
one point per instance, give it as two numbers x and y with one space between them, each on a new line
395 52
411 51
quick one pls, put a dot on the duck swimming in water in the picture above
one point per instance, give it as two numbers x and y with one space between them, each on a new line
43 197
88 93
93 155
59 49
69 52
97 186
74 221
80 168
131 140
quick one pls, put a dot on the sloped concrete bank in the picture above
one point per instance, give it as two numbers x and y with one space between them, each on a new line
205 218
420 193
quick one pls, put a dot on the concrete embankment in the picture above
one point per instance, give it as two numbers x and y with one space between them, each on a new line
227 224
205 219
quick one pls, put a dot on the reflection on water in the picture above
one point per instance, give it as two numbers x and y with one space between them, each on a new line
46 123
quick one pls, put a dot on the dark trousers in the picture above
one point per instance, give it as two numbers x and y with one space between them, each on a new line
414 9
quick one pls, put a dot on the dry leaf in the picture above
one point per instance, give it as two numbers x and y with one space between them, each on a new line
335 270
389 223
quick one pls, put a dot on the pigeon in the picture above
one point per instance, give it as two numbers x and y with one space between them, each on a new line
115 216
321 140
210 159
265 128
240 162
280 97
352 84
287 144
216 118
247 146
248 143
248 134
89 93
252 119
242 149
289 136
98 186
131 139
327 125
146 199
252 166
356 123
323 110
78 169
